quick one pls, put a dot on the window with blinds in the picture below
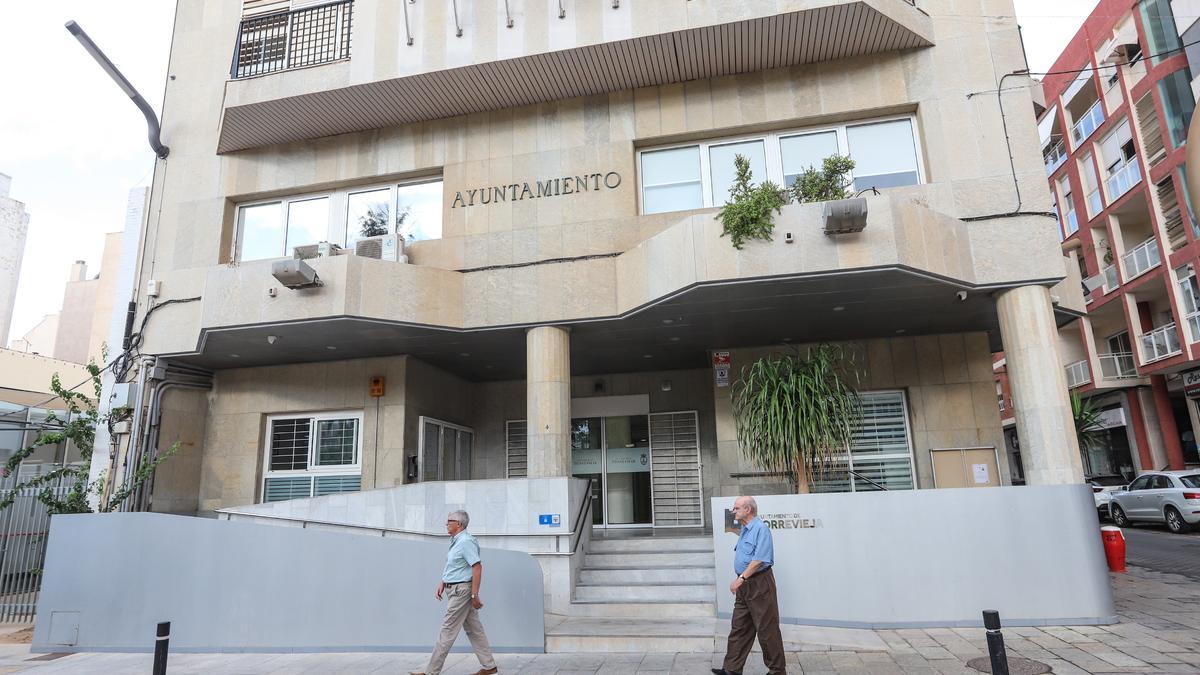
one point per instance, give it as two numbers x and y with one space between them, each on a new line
675 470
312 455
516 450
881 450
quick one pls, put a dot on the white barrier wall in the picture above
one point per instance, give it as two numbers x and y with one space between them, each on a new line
242 587
926 558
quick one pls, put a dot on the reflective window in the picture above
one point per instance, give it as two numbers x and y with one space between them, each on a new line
1159 25
307 223
884 155
671 180
419 211
369 214
261 231
721 158
808 151
1178 104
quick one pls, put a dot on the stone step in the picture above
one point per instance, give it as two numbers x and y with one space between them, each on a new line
643 610
644 575
632 561
647 593
623 635
652 545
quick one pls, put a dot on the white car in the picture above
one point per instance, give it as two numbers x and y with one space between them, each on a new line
1171 497
1103 488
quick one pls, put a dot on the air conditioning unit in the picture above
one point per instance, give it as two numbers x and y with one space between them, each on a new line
320 250
384 247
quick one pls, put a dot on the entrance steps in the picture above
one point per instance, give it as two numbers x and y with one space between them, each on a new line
651 593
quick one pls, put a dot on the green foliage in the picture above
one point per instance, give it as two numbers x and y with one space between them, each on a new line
80 429
826 184
748 213
794 413
374 222
1088 424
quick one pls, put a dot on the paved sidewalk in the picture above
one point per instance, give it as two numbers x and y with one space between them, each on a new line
1159 633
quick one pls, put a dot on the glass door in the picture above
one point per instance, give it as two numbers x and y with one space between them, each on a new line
614 454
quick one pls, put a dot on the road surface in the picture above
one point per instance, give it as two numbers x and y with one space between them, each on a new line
1153 547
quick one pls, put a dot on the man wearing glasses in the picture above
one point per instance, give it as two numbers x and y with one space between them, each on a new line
460 584
756 606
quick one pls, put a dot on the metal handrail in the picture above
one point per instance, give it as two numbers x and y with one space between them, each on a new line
407 29
1142 258
266 44
858 475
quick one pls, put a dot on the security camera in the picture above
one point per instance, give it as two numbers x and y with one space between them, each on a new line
961 295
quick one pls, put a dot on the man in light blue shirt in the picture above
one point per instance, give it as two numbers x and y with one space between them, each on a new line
756 605
460 584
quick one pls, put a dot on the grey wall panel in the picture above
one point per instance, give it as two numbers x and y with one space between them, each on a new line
931 557
231 586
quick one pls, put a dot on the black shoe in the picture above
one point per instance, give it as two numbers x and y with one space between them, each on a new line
722 671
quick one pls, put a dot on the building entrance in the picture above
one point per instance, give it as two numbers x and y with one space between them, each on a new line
614 454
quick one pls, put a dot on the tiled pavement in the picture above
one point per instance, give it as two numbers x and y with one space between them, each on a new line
1159 633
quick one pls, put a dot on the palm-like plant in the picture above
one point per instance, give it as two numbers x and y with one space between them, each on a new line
1089 427
795 413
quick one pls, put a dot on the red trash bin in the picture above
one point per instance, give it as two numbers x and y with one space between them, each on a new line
1114 547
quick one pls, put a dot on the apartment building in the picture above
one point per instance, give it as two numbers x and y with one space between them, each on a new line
1113 136
508 212
14 225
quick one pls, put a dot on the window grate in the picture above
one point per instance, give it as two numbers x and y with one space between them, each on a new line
336 442
516 448
289 444
302 37
675 469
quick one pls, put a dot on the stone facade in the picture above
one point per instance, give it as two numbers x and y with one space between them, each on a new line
14 225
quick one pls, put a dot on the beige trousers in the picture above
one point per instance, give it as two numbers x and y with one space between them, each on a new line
460 615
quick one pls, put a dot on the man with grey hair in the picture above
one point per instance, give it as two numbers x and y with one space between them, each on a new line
460 584
756 605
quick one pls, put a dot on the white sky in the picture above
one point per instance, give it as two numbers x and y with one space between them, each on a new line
75 145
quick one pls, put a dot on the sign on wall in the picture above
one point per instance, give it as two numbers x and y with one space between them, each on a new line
1191 383
721 364
538 189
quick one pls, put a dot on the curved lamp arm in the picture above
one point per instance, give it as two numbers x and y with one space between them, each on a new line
153 128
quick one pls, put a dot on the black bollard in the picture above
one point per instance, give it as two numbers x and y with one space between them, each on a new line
162 641
995 642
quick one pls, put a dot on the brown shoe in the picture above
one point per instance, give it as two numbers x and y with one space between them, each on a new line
487 671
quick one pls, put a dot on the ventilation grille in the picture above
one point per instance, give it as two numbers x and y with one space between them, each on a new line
516 448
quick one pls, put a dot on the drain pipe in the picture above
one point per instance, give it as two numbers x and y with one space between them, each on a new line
135 427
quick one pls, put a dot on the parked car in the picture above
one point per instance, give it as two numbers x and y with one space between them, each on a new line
1171 497
1103 488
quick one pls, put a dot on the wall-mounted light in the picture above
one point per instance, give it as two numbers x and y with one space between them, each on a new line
846 216
665 385
295 274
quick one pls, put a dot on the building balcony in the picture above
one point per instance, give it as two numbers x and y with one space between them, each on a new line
1118 366
440 63
1055 156
283 40
1112 278
1160 343
1087 125
1078 374
1143 258
1094 203
1123 180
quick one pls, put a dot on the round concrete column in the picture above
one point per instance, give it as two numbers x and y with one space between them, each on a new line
548 401
1042 405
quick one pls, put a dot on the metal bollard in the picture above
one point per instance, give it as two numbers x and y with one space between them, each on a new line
995 642
162 642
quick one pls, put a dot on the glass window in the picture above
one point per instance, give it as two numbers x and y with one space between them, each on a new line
307 223
368 214
336 442
1140 483
1192 481
1160 483
884 154
1159 25
880 453
289 444
671 180
261 231
419 211
720 158
800 153
1176 92
301 463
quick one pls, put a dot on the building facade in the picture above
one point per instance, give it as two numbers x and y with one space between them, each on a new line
1113 140
510 211
14 225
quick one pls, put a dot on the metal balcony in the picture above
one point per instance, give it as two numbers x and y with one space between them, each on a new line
1078 374
1112 279
1087 125
1141 259
1123 180
1160 343
1118 366
1055 156
285 40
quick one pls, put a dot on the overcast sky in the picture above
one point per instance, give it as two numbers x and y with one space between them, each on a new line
75 145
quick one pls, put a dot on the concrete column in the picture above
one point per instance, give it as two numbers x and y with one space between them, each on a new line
548 401
1045 425
1155 438
1166 420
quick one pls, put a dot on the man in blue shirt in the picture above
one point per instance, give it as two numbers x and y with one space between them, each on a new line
756 605
460 584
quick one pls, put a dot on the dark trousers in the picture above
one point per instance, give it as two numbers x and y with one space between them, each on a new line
756 612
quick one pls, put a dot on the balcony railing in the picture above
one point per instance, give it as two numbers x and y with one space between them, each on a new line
302 37
1078 374
1141 259
1055 156
1071 222
1159 343
1112 280
1095 205
1193 321
1087 125
1118 366
1123 180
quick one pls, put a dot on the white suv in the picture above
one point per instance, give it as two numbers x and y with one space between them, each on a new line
1171 497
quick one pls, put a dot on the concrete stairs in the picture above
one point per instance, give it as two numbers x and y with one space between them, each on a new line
641 594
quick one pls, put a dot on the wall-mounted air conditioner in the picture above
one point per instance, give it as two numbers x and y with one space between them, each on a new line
384 247
320 250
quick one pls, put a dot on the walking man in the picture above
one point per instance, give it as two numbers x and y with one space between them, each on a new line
460 584
756 606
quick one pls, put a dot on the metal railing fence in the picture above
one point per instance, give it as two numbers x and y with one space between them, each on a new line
24 529
294 39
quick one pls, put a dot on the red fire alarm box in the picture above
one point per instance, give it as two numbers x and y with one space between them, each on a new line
377 386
